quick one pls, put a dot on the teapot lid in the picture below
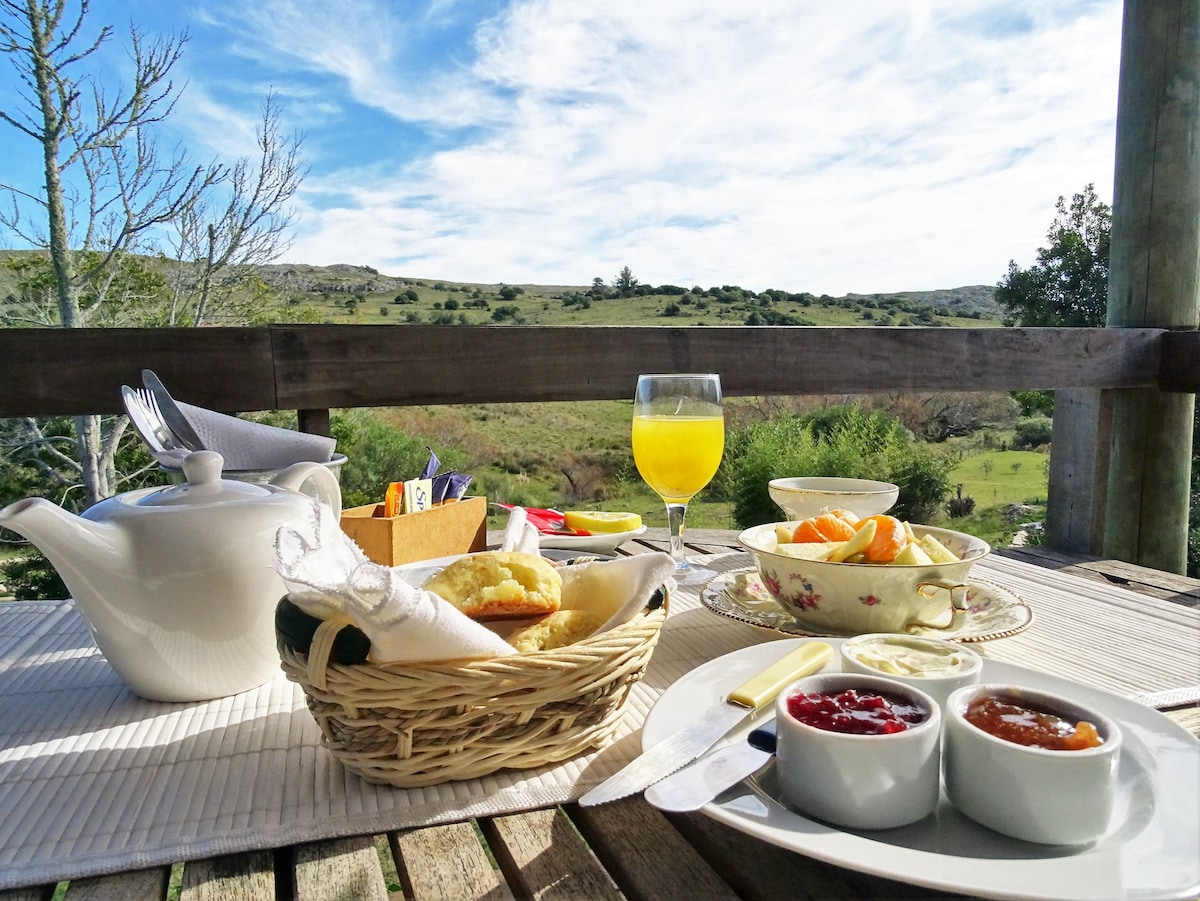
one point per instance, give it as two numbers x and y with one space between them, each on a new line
204 485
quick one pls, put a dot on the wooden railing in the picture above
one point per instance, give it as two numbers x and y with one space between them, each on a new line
70 371
313 369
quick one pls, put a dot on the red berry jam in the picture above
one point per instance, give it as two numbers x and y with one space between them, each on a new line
1030 726
854 712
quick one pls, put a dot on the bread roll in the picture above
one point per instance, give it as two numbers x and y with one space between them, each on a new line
499 585
556 631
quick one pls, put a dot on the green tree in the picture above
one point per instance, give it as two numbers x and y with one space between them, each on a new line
1068 285
625 282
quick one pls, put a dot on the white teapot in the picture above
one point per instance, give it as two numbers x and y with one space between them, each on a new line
178 583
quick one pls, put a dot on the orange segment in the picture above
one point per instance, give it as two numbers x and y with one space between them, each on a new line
846 515
823 527
889 538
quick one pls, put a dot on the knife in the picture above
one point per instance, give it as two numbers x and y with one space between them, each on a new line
698 783
172 415
690 742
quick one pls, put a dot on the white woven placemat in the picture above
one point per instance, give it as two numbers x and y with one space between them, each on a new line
95 780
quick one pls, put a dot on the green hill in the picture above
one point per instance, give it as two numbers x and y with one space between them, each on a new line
358 293
344 293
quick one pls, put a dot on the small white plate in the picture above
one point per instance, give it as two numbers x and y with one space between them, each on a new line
1148 851
597 543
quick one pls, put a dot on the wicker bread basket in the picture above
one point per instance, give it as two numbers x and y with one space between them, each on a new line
412 725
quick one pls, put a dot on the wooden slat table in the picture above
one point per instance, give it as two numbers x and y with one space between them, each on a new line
627 849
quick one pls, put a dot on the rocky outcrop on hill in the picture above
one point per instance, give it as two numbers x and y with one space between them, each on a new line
339 278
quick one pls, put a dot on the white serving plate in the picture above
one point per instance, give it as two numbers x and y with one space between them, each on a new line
1148 852
597 543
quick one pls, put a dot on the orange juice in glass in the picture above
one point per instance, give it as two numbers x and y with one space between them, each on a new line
678 439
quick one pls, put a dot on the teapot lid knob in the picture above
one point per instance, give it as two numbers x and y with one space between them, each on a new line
203 467
204 485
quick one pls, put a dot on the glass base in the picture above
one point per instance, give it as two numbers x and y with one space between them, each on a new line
691 575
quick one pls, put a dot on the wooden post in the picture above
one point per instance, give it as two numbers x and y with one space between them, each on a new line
315 422
1154 274
1078 469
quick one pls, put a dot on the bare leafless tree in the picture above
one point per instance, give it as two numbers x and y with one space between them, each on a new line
220 243
110 194
106 186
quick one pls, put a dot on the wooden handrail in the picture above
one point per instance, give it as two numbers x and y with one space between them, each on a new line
296 367
315 369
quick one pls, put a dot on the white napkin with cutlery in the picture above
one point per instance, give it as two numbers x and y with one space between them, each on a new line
255 445
327 574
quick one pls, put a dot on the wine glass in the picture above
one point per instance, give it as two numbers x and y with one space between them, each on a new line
678 439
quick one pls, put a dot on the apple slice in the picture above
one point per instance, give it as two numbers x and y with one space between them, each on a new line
784 532
857 544
809 550
912 555
938 552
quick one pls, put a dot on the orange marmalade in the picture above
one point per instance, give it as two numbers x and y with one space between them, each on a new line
1030 726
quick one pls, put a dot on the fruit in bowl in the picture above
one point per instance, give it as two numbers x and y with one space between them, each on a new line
892 589
802 496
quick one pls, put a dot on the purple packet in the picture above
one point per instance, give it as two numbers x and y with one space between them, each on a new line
440 485
432 466
456 486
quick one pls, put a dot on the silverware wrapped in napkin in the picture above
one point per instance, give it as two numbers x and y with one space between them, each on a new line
245 445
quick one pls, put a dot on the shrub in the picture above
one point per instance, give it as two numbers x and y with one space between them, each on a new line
30 577
846 442
1031 432
959 506
378 454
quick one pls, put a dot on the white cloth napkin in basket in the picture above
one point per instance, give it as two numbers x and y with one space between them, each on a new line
327 574
247 445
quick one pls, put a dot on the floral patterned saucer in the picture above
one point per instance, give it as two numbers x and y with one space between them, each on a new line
995 612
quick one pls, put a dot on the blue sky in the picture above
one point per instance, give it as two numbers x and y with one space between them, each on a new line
857 146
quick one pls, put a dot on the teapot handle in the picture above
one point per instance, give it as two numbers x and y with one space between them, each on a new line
325 482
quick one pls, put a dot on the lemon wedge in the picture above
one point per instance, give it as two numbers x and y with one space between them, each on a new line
601 521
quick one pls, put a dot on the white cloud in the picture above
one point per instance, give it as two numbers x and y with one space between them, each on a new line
841 147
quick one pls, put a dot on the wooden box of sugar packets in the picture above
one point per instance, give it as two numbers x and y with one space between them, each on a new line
457 527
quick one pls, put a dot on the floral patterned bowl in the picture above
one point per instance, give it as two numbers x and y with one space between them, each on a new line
853 598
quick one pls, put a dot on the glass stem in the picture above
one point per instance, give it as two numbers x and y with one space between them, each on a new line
675 515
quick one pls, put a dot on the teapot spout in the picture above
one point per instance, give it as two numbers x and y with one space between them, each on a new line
83 552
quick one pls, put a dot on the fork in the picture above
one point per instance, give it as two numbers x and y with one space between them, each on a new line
154 419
